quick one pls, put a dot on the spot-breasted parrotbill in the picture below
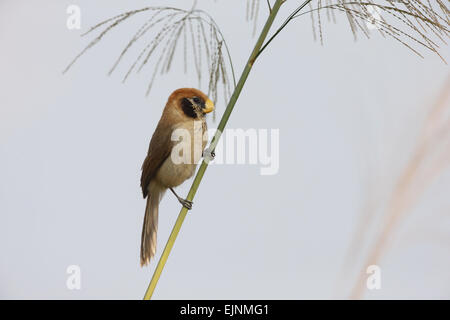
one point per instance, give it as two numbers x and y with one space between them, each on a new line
163 168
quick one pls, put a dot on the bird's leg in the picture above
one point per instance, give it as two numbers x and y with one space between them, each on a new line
186 203
208 155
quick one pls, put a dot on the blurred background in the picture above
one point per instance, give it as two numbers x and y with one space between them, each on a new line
363 178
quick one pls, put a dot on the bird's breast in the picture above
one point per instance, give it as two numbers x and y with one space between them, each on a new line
189 139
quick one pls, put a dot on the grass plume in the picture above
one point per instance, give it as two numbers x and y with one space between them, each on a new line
200 36
412 23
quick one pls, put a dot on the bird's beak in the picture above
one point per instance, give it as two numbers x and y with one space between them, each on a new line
209 106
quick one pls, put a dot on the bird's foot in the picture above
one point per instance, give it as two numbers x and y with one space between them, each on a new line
208 155
186 203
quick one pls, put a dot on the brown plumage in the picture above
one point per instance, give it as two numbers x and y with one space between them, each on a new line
183 119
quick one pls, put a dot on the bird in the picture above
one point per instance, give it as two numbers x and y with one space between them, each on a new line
162 169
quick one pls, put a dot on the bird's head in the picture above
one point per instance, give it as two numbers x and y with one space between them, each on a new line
192 102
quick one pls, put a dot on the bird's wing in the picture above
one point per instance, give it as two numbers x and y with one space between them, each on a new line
158 151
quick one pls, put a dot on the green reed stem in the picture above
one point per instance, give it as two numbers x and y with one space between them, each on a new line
201 171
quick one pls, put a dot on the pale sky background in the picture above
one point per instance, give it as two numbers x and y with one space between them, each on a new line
71 148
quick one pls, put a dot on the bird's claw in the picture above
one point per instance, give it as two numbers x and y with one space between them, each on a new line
208 155
186 203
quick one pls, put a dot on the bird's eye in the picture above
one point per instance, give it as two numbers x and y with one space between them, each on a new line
196 100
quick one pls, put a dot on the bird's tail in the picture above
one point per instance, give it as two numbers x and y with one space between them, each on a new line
150 226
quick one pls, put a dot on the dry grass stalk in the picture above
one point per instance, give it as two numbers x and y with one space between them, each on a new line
430 158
